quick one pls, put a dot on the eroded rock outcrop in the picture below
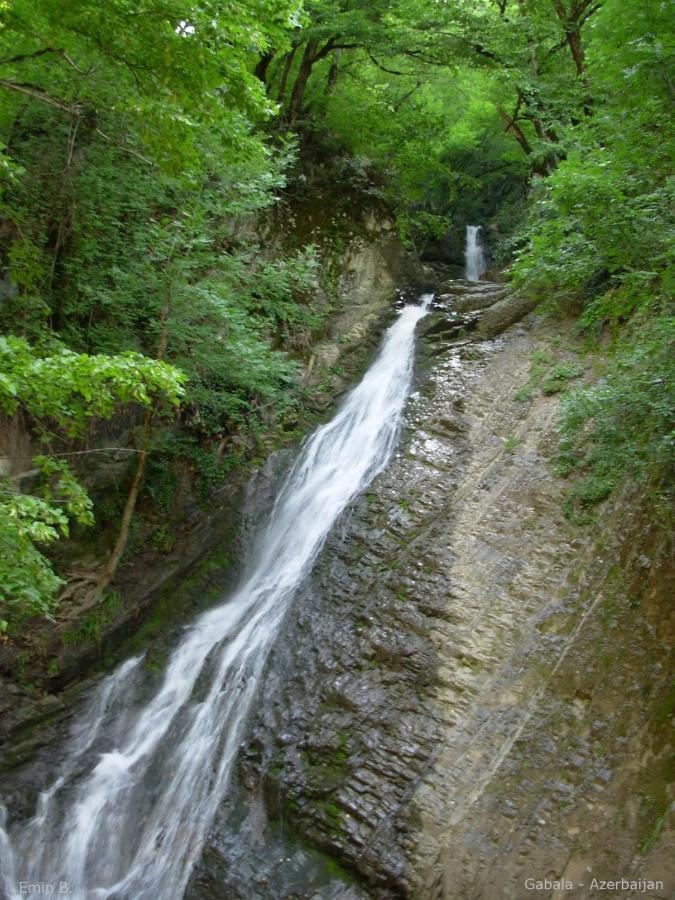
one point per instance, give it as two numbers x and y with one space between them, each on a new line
459 700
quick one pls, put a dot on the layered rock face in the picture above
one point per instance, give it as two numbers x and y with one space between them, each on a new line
469 691
471 695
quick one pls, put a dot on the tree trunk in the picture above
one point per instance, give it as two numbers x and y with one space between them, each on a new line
288 62
572 21
578 54
333 73
511 125
113 561
543 167
260 70
308 59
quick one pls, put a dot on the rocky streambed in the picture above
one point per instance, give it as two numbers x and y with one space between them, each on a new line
471 692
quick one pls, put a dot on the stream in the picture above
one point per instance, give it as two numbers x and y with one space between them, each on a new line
128 813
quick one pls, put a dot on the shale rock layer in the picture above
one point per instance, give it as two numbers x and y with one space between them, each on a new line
471 691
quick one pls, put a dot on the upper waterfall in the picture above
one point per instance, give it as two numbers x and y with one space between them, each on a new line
127 815
474 254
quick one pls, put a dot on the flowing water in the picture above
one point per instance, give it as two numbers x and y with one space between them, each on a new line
474 255
127 816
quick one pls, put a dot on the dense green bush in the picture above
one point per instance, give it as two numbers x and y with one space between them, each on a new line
599 242
623 425
132 160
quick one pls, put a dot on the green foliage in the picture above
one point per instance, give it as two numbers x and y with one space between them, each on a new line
601 220
623 425
599 241
434 148
92 625
511 443
523 394
66 389
60 393
58 484
444 89
28 583
137 159
132 161
557 378
161 67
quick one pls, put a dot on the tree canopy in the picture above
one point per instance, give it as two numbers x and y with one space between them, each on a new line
141 142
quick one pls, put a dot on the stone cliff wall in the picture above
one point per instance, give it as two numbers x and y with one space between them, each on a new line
471 690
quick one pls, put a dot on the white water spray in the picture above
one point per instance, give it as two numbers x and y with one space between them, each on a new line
127 816
474 255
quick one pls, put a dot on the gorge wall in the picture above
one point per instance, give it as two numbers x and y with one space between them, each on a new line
471 690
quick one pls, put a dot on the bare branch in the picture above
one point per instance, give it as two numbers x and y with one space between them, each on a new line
124 149
407 95
557 47
22 57
79 452
37 93
590 12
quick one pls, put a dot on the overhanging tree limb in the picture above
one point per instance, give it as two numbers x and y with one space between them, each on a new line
385 69
35 92
124 149
21 57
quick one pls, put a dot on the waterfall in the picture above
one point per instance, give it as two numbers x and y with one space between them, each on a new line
127 816
474 255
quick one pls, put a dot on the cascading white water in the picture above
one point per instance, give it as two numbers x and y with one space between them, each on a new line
127 816
474 255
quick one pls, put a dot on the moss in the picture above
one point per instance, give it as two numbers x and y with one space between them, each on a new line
202 583
586 493
334 817
511 443
295 839
551 377
54 667
93 625
666 708
155 659
651 838
654 806
333 810
336 870
163 539
471 663
341 753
